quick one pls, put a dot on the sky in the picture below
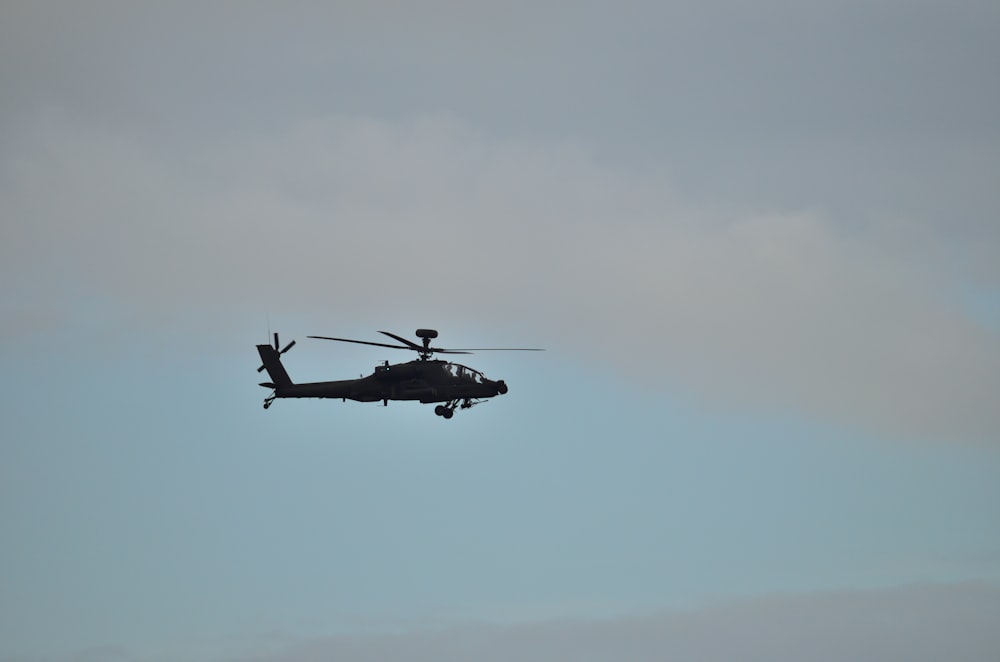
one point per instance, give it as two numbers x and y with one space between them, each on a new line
758 241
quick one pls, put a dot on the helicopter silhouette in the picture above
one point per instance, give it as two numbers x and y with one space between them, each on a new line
426 379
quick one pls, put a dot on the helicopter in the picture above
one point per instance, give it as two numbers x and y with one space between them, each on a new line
425 379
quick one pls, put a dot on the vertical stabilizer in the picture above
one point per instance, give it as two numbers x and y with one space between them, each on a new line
272 363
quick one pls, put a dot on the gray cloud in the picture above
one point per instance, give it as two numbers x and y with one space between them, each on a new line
915 623
919 623
787 210
358 215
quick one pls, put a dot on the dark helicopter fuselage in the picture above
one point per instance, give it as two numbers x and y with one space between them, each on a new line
424 380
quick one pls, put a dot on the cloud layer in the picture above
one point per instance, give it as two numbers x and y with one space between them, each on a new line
919 623
773 310
788 215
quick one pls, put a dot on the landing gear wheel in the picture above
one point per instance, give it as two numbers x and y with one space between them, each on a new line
448 413
439 410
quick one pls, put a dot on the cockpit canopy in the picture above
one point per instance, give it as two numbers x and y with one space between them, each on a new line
460 371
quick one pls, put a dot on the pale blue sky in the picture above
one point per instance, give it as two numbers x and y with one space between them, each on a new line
746 235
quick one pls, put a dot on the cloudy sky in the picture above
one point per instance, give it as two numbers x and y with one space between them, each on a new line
759 242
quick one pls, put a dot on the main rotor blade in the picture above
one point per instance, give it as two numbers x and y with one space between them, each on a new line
364 342
417 348
497 349
408 343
